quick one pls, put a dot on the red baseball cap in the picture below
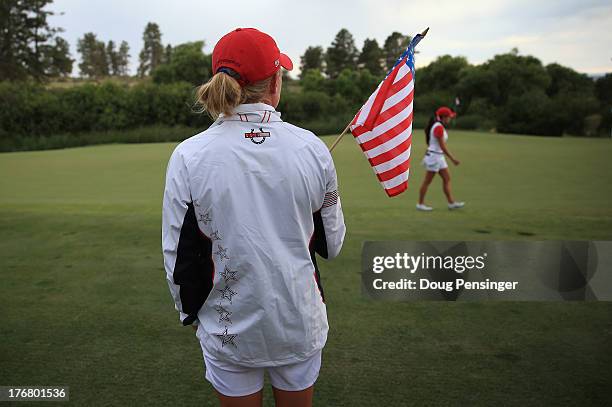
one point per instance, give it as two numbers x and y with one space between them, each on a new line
445 111
251 53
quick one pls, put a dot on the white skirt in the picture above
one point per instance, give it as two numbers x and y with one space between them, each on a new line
434 162
236 381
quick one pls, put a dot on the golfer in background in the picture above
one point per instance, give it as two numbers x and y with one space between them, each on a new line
247 203
434 161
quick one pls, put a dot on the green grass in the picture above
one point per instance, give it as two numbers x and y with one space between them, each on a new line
84 303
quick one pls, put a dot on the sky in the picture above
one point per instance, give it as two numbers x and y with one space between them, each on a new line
573 33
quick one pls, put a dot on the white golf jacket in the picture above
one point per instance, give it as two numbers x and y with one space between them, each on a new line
246 205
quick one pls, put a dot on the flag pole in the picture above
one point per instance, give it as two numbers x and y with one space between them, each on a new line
423 34
340 137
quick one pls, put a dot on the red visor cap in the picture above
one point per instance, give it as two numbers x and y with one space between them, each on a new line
445 111
253 54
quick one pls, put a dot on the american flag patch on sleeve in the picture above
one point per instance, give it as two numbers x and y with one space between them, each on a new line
331 198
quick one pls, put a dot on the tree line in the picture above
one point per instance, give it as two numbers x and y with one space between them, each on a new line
509 93
32 49
100 60
344 54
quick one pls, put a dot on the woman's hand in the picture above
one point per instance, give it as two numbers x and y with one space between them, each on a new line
446 152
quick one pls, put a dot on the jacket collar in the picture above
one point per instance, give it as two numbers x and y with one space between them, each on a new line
254 113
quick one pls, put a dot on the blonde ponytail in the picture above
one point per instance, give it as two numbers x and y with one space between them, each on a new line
222 93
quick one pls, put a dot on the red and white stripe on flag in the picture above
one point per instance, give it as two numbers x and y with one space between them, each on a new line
383 129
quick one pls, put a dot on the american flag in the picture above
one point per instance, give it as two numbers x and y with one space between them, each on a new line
383 126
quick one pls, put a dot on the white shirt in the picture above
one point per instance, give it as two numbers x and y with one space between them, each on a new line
246 204
437 132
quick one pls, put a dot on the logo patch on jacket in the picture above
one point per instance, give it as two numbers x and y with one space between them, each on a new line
257 137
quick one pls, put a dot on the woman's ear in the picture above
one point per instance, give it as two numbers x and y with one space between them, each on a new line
275 88
276 83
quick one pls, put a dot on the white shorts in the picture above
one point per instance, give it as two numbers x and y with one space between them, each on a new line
434 162
235 381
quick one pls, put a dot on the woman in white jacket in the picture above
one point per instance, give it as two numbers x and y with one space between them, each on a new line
247 203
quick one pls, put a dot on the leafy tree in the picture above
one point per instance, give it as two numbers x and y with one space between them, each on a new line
26 49
188 63
427 103
553 104
313 58
99 60
94 62
573 97
57 58
112 58
566 80
355 86
167 54
516 74
41 33
475 83
603 89
14 41
123 59
366 83
152 52
530 112
342 54
394 46
313 81
441 74
572 110
371 57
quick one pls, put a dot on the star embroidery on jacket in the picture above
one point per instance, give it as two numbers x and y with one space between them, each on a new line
229 274
222 253
205 218
227 293
224 315
227 338
215 236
